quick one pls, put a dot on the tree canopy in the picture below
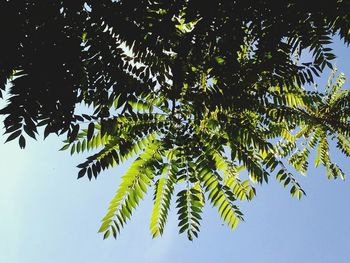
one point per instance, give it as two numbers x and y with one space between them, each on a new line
209 97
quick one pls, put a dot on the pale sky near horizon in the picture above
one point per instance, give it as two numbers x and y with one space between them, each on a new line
49 216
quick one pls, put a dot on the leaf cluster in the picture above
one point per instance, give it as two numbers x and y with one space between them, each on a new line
208 96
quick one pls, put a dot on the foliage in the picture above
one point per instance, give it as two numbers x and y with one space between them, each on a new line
209 97
210 156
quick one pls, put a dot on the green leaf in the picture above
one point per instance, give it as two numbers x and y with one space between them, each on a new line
22 142
90 131
13 136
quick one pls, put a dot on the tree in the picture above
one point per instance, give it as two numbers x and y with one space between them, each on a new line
210 97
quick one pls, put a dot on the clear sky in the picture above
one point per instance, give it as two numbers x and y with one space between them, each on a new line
47 215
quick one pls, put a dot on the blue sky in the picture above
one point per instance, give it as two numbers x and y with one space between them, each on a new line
49 216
